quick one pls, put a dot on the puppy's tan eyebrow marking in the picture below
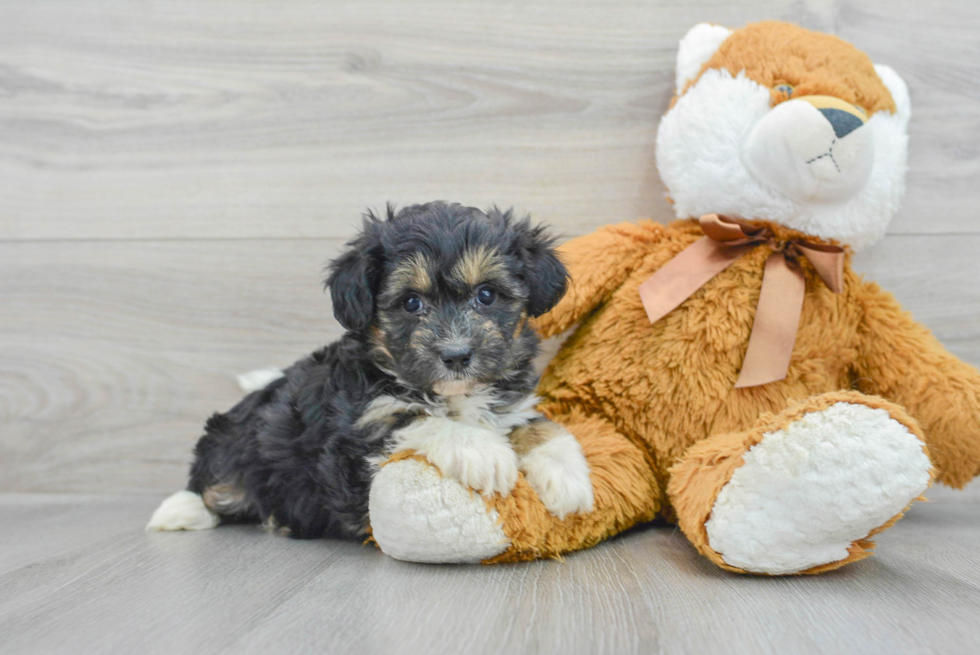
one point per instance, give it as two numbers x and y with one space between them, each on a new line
478 265
412 274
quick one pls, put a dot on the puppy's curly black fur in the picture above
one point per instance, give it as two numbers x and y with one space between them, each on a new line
435 299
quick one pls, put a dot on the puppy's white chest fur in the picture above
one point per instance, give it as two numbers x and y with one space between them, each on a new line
476 410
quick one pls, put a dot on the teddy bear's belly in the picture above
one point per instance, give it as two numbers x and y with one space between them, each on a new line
671 384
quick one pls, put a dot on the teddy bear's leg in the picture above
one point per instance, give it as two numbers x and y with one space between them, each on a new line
418 515
803 491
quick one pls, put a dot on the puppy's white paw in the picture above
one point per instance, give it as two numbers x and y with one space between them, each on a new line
478 458
558 472
185 510
479 464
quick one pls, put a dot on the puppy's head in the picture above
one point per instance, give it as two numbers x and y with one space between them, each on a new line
443 293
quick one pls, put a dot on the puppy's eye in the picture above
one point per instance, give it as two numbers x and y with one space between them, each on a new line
485 296
412 304
785 88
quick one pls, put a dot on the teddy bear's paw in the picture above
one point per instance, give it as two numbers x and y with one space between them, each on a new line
810 489
559 474
417 515
477 457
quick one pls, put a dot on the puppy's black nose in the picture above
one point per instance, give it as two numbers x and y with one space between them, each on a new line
457 359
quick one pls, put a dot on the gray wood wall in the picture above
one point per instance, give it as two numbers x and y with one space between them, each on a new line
174 175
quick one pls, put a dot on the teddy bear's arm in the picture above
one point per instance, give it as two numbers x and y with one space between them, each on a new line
902 361
598 264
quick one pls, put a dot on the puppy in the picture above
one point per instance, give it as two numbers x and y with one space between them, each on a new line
436 358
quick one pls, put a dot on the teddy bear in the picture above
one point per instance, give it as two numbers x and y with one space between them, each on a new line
729 371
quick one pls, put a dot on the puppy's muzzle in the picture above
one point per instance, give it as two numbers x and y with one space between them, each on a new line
457 359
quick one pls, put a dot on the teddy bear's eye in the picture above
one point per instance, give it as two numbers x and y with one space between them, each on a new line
785 88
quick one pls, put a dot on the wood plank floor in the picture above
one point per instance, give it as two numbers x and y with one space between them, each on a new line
77 577
173 177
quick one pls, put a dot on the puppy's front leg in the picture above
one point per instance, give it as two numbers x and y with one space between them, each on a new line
554 466
479 458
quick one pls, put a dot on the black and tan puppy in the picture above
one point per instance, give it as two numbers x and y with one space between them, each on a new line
436 358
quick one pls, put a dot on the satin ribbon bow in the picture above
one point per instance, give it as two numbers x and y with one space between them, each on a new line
777 315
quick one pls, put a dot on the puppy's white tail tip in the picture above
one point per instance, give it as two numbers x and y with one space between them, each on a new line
185 510
259 378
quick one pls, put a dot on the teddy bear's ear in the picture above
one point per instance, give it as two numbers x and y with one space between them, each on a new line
899 90
695 48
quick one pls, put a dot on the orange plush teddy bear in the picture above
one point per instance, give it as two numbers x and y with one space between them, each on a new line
730 371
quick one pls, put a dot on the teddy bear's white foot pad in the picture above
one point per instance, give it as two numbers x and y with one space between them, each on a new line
807 491
419 516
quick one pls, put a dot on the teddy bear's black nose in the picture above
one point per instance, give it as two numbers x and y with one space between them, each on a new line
842 122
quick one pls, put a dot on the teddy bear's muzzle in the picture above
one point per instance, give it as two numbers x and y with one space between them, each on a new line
814 148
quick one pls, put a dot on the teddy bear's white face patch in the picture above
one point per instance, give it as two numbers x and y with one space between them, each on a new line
724 149
797 150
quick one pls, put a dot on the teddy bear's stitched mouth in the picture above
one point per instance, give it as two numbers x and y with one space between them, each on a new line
829 153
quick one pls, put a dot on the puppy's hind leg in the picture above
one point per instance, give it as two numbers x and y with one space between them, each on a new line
185 510
215 488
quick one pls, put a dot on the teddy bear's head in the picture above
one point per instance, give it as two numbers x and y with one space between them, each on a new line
779 123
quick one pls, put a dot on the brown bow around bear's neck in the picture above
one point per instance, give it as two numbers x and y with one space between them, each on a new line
777 315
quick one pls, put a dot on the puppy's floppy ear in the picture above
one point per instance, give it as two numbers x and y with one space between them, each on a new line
354 276
544 273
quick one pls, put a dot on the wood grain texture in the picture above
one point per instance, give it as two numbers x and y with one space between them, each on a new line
230 120
115 352
94 583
